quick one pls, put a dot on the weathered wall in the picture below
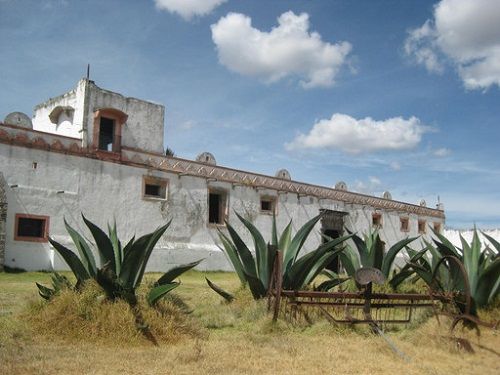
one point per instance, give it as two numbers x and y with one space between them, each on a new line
63 185
145 123
3 218
71 126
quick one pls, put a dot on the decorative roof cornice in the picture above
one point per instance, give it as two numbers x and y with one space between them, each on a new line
18 136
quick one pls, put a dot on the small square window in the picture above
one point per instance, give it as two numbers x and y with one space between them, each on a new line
377 220
268 205
405 224
421 226
32 228
217 206
154 188
437 227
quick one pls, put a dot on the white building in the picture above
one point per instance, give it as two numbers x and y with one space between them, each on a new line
97 152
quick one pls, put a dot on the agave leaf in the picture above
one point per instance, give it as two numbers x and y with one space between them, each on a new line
257 289
44 292
148 250
103 243
274 236
226 295
232 254
127 247
377 252
117 247
159 291
329 284
169 276
488 286
361 246
319 265
494 242
244 253
299 270
389 257
86 256
261 255
133 260
72 260
446 247
407 270
286 238
60 282
298 241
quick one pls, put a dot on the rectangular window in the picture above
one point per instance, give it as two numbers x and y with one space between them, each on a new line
268 205
154 188
31 228
421 226
405 224
377 220
106 134
217 202
437 227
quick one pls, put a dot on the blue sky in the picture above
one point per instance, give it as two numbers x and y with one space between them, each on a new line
385 95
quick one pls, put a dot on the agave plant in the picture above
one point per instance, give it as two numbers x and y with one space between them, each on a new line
256 270
122 268
368 252
59 282
481 265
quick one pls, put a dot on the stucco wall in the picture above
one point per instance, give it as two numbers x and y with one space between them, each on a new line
63 186
72 126
145 123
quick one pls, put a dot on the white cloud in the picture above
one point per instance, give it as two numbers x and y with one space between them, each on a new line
442 152
188 9
289 49
465 33
354 136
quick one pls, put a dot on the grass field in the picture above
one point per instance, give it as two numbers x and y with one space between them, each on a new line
233 339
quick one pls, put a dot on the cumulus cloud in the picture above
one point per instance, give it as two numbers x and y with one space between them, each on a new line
464 33
289 49
353 136
188 9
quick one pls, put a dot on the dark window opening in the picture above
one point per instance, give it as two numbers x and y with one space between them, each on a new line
31 228
421 226
216 208
377 220
437 227
405 224
155 187
266 205
152 190
106 134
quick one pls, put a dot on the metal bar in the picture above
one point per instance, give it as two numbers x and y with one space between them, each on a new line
360 295
278 280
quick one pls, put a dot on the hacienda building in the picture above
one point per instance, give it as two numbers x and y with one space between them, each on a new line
96 152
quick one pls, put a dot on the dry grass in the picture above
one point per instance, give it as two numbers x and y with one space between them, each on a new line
240 340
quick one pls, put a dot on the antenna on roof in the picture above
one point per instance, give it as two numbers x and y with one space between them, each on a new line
88 72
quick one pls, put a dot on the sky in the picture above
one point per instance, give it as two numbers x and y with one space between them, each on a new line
389 95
